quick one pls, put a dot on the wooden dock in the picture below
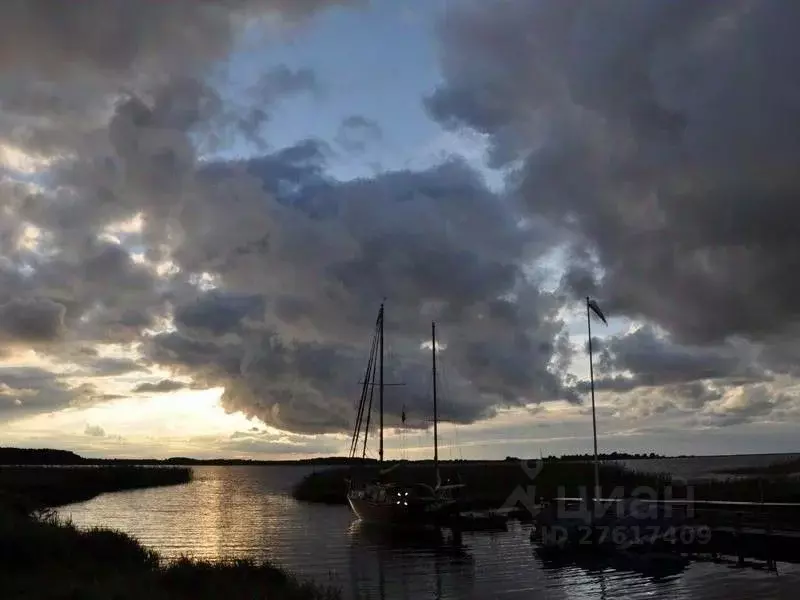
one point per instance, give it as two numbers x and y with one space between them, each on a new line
764 531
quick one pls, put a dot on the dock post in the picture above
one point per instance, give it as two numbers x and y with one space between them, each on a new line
739 540
768 544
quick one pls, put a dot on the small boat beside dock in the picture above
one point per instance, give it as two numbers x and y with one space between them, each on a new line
479 520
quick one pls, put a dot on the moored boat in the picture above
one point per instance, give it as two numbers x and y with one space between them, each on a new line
392 502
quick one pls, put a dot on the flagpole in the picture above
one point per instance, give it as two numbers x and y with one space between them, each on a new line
594 418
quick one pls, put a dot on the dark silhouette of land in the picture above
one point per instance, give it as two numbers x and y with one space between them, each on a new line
37 487
490 483
613 456
785 467
44 558
46 456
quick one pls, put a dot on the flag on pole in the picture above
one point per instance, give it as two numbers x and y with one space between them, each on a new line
593 305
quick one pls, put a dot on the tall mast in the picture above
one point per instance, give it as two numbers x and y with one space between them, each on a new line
594 418
380 385
435 408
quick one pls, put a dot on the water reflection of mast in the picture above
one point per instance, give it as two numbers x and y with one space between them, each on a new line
401 557
381 575
437 567
603 588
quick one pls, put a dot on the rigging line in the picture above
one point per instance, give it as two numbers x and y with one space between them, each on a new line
362 400
369 415
380 393
370 373
359 415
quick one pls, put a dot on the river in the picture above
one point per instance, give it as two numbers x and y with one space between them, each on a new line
246 512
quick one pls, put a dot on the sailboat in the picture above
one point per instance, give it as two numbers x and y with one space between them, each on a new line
389 502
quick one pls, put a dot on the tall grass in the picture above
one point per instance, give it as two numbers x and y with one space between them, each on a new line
44 558
778 468
488 485
38 487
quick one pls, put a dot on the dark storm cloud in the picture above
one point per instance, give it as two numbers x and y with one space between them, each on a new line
32 321
301 263
652 360
219 313
264 276
64 65
107 366
663 134
94 290
165 385
116 36
26 391
356 132
320 255
645 374
121 98
637 132
273 86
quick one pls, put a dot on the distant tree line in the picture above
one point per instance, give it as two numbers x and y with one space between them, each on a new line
603 456
47 456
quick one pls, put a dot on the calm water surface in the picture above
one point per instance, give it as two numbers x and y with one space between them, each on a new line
246 512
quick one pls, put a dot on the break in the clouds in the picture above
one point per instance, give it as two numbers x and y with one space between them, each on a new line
635 138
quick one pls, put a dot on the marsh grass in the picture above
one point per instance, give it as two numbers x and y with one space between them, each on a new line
47 558
38 487
776 469
488 485
44 557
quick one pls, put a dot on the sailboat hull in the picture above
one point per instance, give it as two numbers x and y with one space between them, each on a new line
414 513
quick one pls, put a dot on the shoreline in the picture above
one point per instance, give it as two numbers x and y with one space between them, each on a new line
40 487
43 554
51 457
39 548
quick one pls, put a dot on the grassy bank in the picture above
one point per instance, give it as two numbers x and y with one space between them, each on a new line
39 487
776 469
749 489
45 559
49 456
489 484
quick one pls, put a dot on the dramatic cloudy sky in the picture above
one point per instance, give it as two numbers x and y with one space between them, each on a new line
204 203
